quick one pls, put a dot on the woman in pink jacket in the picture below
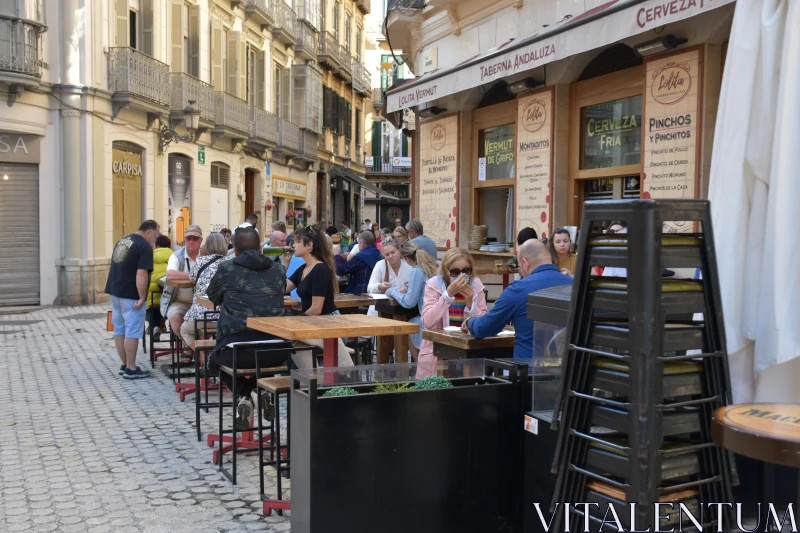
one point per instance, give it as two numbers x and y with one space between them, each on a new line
451 297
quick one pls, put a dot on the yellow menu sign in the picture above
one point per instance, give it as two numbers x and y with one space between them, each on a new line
438 180
534 175
671 128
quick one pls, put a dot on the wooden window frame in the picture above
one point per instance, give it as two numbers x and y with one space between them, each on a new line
615 86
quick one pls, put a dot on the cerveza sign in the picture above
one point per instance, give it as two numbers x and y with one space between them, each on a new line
564 39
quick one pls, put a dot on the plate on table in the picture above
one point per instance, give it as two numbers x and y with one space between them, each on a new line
452 329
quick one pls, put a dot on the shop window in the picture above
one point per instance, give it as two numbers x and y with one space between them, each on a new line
611 134
496 153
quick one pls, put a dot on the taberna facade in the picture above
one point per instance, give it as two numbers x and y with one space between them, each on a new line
528 108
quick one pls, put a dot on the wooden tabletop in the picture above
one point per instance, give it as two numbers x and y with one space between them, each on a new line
181 284
205 302
499 272
346 301
768 432
297 328
465 341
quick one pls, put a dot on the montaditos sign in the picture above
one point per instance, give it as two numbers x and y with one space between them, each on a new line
558 41
534 174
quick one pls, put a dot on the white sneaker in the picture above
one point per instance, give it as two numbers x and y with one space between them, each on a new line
244 414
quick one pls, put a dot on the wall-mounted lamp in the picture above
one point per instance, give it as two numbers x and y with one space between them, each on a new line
522 86
662 44
431 112
191 121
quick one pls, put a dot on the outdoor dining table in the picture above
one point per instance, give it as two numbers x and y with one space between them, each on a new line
458 345
391 308
345 303
181 283
330 328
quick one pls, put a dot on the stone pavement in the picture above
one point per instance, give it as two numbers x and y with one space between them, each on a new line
83 450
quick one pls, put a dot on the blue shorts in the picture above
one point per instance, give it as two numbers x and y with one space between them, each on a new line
128 322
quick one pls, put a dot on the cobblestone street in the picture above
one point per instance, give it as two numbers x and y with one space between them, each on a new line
83 450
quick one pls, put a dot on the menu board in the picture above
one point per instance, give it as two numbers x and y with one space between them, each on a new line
671 128
534 162
438 180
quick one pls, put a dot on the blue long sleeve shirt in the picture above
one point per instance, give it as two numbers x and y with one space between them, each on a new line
415 295
512 307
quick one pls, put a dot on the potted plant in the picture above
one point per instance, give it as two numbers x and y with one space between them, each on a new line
446 450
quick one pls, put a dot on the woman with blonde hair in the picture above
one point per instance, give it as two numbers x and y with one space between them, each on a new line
400 235
450 297
412 296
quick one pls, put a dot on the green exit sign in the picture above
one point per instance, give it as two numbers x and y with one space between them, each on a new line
201 155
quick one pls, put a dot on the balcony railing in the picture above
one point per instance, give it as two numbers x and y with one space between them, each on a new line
288 136
386 165
265 127
346 65
308 145
364 6
186 87
262 11
377 97
231 114
285 29
19 47
306 41
134 74
361 80
328 50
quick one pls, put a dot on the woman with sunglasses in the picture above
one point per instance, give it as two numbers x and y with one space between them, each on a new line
316 286
451 297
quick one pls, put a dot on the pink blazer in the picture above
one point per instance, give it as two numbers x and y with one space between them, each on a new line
435 316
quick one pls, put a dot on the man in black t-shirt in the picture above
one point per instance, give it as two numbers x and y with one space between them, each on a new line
128 280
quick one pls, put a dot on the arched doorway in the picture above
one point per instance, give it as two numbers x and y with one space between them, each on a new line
180 197
127 182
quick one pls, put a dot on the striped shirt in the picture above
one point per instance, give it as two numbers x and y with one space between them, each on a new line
456 311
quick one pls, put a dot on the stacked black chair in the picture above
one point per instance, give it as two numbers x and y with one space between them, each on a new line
634 412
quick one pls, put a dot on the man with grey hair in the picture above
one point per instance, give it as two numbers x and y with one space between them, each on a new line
359 267
415 233
538 272
278 239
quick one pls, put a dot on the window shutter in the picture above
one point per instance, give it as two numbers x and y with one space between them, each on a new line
327 107
349 130
194 40
123 26
176 37
376 142
234 38
242 67
404 144
286 94
148 36
359 140
261 84
341 115
216 55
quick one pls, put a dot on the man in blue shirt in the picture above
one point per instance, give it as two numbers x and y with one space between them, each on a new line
416 235
538 272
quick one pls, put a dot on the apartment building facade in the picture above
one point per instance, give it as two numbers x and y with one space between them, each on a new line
185 111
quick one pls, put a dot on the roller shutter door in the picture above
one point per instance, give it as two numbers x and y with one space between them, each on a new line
19 235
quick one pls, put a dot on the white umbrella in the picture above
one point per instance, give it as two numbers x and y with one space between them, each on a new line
754 192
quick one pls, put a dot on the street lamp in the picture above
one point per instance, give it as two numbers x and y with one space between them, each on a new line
191 121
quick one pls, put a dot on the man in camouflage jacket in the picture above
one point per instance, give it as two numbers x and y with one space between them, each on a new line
251 285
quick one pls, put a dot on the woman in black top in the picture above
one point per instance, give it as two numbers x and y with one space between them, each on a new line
316 285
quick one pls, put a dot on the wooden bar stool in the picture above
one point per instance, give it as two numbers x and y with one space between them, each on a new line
201 346
279 454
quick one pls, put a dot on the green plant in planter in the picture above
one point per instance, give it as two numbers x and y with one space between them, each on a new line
393 387
340 391
433 382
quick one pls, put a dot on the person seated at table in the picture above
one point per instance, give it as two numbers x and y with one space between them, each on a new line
559 245
524 235
176 302
538 272
161 257
317 287
423 267
361 266
250 285
450 297
216 251
391 272
400 235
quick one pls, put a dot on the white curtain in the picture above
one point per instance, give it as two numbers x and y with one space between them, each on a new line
755 193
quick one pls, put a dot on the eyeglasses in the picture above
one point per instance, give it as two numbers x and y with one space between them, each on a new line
454 272
193 238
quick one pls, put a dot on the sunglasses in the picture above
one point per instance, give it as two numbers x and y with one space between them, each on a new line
454 272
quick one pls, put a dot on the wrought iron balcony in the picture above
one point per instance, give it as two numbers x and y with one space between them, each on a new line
288 138
264 131
262 11
285 29
231 117
306 46
390 165
346 64
364 6
138 80
186 87
308 148
20 42
361 79
328 51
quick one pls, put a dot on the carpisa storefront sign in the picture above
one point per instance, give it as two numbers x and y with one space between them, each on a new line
558 42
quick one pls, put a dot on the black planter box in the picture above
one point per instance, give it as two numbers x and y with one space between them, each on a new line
429 461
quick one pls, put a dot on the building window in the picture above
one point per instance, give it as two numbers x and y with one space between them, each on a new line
220 175
322 5
134 29
276 88
347 26
336 6
496 147
611 134
358 43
